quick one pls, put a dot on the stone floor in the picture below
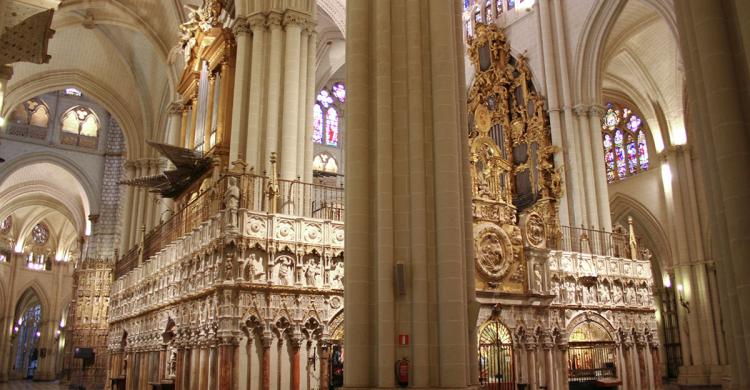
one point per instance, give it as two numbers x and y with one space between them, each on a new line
29 385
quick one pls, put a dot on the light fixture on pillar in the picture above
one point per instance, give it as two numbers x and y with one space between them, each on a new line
683 302
667 281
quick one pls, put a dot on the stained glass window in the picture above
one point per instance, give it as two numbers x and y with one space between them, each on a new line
327 113
625 143
340 92
40 234
317 124
73 92
332 127
511 4
499 6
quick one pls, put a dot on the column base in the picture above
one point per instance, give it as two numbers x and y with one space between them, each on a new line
701 375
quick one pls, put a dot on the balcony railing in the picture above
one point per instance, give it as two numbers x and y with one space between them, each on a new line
595 242
257 193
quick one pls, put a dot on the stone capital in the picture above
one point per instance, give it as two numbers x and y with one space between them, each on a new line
294 18
597 111
581 110
273 19
176 108
256 21
242 27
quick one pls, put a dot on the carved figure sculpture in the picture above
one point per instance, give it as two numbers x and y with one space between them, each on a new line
232 201
256 266
537 278
337 280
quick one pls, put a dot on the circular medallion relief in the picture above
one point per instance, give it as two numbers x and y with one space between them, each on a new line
493 253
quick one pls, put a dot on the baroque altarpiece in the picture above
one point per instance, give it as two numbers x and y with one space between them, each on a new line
558 304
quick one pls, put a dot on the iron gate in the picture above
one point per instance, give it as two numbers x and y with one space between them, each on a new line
496 357
589 361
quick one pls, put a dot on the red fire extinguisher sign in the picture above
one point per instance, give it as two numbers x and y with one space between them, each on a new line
403 340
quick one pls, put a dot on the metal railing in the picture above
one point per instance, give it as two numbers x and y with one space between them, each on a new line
257 193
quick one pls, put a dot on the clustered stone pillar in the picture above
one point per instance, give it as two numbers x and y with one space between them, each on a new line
273 96
408 196
714 49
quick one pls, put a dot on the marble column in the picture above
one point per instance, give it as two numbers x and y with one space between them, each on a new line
203 372
226 364
549 364
273 89
213 358
563 347
324 361
393 105
241 79
640 354
294 344
599 170
531 363
266 362
714 49
656 362
128 221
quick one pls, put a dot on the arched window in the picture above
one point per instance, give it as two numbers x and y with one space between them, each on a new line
625 143
80 127
31 112
327 113
324 162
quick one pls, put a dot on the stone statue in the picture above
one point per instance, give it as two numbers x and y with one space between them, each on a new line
232 201
603 294
616 294
256 268
311 271
554 289
284 273
337 280
537 278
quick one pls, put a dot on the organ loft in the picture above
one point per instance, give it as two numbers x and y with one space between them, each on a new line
325 194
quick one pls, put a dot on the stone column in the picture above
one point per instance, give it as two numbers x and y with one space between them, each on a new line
589 191
294 343
599 170
427 187
324 361
656 362
273 90
641 346
531 358
213 358
266 363
292 33
241 79
179 384
226 363
195 360
127 220
563 347
203 372
714 49
549 375
257 23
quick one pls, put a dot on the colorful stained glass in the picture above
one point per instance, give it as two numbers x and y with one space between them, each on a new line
625 148
499 6
467 4
643 150
339 92
632 157
332 127
469 30
324 98
634 123
478 16
488 9
511 4
40 234
620 154
317 124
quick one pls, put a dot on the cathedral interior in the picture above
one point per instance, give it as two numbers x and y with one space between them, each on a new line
374 194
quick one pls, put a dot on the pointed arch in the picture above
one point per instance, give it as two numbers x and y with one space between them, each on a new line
98 91
623 205
30 290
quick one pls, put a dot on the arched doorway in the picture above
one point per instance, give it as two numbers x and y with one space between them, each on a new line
495 357
336 365
26 335
592 354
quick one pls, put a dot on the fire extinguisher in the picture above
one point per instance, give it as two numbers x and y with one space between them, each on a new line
402 372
